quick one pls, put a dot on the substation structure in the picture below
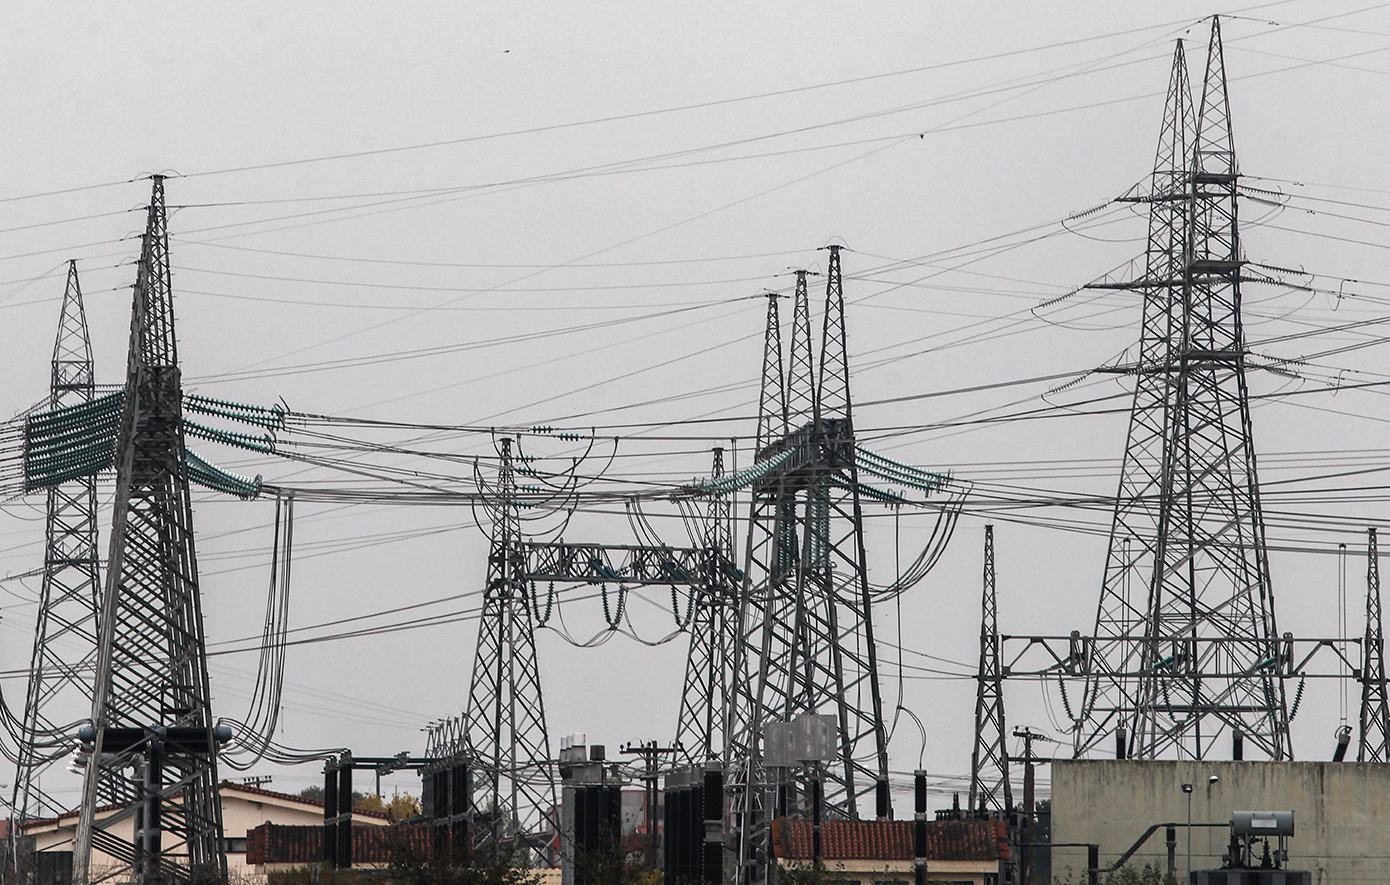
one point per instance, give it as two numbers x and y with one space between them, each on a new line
785 637
1185 658
781 713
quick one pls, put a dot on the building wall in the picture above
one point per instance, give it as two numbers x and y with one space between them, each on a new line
1342 812
870 872
241 812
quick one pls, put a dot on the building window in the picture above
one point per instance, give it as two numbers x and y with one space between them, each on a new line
234 846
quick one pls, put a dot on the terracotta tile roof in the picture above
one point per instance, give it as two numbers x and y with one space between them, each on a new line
967 840
66 815
272 843
891 839
293 797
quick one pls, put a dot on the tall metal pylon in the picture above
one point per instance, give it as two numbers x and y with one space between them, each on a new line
810 630
504 727
65 632
704 725
1208 652
1373 742
151 709
1112 693
769 552
990 789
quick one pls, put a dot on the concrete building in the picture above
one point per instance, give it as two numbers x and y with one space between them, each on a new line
1342 812
879 852
243 809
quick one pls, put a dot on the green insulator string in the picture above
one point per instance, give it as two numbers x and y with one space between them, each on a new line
1066 702
613 618
1297 698
549 604
676 608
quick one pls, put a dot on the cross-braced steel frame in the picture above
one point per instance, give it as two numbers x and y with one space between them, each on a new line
1187 559
65 633
152 722
703 725
808 643
504 730
990 789
1373 741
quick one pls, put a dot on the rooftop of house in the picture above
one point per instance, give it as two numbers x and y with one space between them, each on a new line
245 791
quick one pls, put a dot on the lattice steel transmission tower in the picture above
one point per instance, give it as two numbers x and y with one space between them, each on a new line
703 728
1129 568
65 632
990 789
807 599
1373 743
769 553
504 727
1197 655
151 711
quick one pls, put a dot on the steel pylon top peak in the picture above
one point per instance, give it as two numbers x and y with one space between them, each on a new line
832 389
772 399
801 371
72 348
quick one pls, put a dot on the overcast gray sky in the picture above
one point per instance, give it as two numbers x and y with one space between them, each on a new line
354 183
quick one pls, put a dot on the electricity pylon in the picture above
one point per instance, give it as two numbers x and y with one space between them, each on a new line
989 763
1112 694
151 710
703 728
65 632
769 552
504 727
1373 744
807 626
1200 656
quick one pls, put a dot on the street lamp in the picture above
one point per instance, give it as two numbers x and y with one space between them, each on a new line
1187 788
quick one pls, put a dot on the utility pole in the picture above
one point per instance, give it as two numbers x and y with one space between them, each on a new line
806 598
807 642
1025 865
702 731
651 755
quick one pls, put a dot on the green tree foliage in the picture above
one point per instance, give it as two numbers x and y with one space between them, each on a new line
412 866
403 806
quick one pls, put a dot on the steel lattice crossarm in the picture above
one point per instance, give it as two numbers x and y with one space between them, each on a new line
1290 657
75 440
624 564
